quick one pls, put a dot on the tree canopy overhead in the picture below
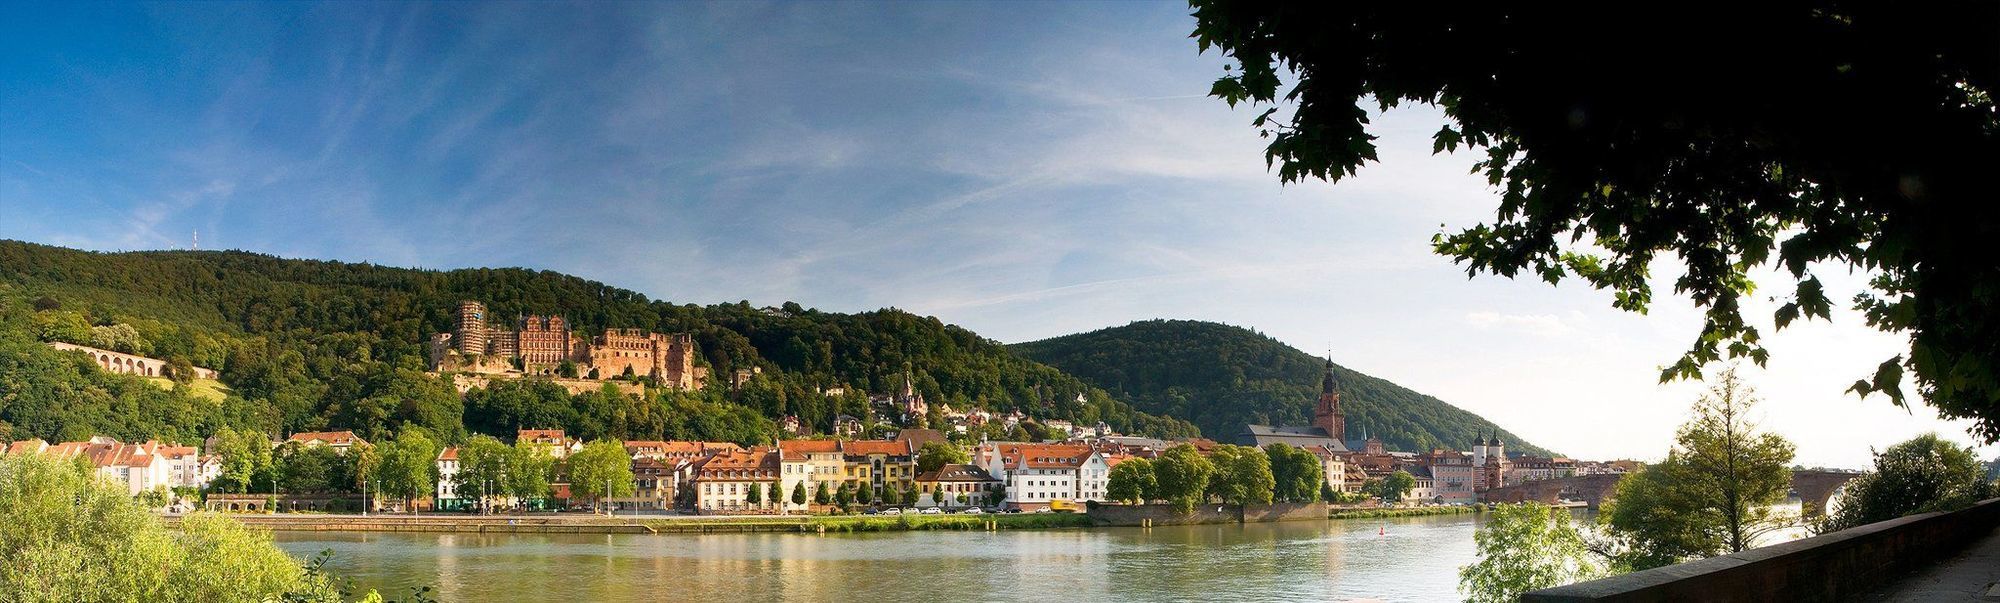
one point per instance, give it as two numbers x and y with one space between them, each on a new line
1809 136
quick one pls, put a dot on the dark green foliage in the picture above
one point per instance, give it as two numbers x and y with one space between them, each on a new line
1221 377
1924 474
57 395
1298 474
1181 476
1390 488
1613 143
1131 481
311 345
938 454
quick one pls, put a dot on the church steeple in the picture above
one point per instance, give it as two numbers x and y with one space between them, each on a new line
1326 383
1327 414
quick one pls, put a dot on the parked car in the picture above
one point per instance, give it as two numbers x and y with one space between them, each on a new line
931 511
870 511
1045 510
972 511
1014 510
892 511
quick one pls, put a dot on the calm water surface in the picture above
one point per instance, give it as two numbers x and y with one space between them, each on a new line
1417 560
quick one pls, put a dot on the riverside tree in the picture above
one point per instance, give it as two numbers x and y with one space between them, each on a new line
246 458
1392 487
1242 475
66 536
601 470
1714 492
482 468
1602 178
309 469
1181 477
1131 481
799 493
530 467
1924 474
1524 547
408 467
1297 473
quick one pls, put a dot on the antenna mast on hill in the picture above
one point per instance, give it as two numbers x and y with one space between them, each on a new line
197 239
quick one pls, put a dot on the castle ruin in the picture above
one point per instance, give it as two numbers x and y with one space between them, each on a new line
539 345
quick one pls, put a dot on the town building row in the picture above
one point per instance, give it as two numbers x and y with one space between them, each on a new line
1441 475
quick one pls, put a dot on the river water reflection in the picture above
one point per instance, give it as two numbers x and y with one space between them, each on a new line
1416 560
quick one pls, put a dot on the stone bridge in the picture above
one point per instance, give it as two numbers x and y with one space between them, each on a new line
1814 489
1593 489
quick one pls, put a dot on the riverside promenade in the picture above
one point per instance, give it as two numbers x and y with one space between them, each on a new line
1971 575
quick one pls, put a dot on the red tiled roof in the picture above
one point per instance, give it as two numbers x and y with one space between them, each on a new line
868 447
449 454
756 462
540 434
335 438
956 473
918 437
1042 456
797 449
26 447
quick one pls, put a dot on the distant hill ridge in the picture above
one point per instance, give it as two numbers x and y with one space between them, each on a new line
306 345
1221 377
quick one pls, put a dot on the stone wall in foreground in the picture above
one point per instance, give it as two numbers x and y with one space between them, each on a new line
1830 567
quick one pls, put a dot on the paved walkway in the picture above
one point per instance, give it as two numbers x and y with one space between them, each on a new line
1968 576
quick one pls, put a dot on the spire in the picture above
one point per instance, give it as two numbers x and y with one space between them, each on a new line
1326 384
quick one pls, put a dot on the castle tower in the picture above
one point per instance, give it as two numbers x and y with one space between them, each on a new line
470 330
1327 414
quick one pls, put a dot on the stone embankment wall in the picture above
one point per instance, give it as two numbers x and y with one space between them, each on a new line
1166 515
434 523
1830 567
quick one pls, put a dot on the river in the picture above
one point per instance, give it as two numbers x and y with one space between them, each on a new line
1416 559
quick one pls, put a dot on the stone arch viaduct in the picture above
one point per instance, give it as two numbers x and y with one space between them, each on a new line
129 364
1814 488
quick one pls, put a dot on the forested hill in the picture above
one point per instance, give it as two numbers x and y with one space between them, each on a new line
306 344
1221 377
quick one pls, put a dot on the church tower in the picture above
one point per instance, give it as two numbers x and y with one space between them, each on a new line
1327 415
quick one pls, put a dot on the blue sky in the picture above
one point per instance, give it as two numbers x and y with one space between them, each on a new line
1026 170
